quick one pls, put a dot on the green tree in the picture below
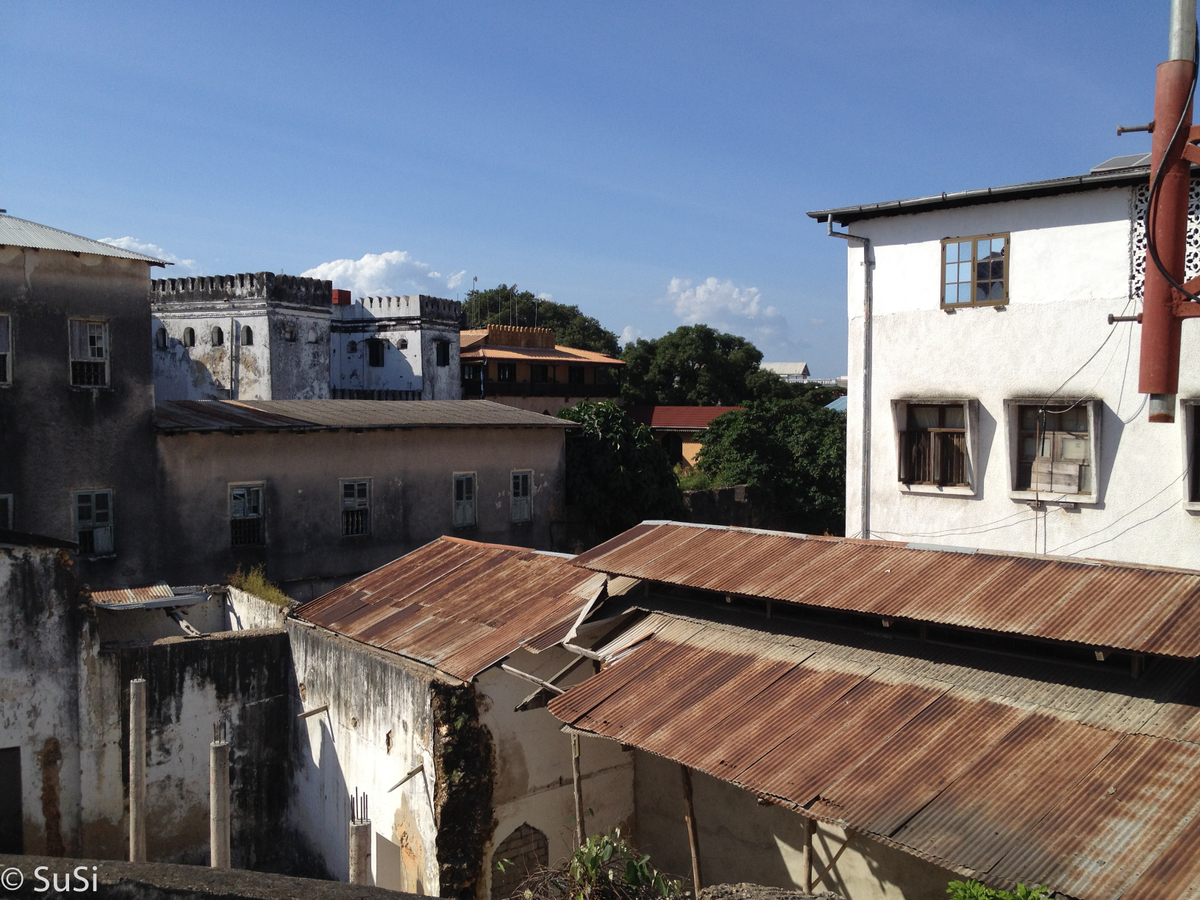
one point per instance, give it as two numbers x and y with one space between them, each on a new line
793 452
695 365
505 305
616 471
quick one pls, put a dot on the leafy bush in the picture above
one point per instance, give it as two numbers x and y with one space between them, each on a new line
975 890
255 582
606 867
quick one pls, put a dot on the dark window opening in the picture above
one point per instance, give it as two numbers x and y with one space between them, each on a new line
12 822
189 337
471 373
575 374
218 336
5 349
356 508
521 854
6 510
933 447
246 517
375 353
506 371
442 348
247 336
89 353
160 339
94 522
539 374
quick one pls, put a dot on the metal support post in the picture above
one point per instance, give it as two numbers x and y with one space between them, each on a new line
690 819
137 770
218 805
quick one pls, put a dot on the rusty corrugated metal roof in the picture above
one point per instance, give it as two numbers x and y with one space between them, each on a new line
134 594
938 752
177 416
678 418
1121 606
458 605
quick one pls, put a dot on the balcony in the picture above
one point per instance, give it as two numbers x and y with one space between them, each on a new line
545 389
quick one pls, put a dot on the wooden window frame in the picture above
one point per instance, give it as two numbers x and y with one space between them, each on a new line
900 416
454 501
1095 416
261 516
1189 409
356 510
973 238
87 547
506 368
83 370
516 517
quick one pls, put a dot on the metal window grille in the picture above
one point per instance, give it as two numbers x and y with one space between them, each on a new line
246 517
94 522
356 508
933 447
521 500
89 353
464 501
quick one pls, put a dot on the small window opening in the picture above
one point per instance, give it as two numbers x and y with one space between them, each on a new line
246 517
160 339
375 354
189 337
218 336
356 508
443 352
247 336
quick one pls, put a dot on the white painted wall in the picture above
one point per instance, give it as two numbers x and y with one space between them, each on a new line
1069 268
533 764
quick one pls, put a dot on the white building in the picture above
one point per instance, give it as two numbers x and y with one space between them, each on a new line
395 348
991 402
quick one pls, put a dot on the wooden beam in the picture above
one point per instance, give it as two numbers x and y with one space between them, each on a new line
579 837
313 712
806 881
850 836
690 819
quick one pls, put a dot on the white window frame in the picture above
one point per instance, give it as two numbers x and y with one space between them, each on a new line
1190 408
460 521
356 504
88 354
970 417
6 350
8 515
520 507
94 525
1012 418
261 487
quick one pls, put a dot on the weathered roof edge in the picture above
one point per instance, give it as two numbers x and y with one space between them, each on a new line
15 232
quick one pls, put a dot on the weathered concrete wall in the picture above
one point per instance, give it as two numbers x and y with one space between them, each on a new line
533 765
242 680
1069 268
246 612
40 625
378 728
412 485
743 841
55 438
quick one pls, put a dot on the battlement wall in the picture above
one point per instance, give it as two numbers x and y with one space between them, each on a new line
422 305
245 286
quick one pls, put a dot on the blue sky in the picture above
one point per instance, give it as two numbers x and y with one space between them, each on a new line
650 162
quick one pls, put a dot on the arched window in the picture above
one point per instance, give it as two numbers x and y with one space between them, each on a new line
403 343
160 339
189 337
247 336
352 347
528 850
218 336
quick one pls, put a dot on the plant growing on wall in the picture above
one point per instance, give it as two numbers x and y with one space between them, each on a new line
606 867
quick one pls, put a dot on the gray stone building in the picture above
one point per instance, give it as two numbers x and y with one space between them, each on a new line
76 397
252 336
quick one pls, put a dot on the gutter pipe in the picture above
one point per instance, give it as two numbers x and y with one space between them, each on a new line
868 297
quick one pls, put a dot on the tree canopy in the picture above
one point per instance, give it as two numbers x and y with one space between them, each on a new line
505 305
616 471
696 365
792 451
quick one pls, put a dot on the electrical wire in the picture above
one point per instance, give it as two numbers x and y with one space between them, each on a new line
1170 484
1156 184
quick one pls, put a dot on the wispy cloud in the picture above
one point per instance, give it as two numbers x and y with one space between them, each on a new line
630 334
394 272
726 307
132 243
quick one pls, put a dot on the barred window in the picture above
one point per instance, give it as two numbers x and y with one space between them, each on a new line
94 522
356 508
246 516
933 446
89 353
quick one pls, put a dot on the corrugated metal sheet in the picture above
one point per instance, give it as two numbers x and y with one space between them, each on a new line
941 753
1105 604
457 605
175 416
16 232
679 418
133 595
563 355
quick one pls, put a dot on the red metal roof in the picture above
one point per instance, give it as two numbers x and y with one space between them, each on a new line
1104 604
681 418
1009 770
458 605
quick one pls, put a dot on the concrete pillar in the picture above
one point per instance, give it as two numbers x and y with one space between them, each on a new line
218 805
360 851
137 770
578 783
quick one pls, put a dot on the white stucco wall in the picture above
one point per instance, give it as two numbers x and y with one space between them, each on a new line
377 729
533 764
1069 269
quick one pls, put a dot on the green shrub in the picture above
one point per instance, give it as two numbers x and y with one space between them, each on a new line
606 867
975 890
255 582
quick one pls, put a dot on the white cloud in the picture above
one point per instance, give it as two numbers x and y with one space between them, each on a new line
132 243
726 307
394 272
545 296
630 334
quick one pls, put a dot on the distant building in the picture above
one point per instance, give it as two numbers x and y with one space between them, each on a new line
77 397
525 368
395 348
253 336
679 428
788 371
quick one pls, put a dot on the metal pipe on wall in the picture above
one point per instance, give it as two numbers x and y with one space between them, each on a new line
137 770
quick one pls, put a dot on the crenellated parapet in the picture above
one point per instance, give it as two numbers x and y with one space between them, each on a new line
428 308
212 289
